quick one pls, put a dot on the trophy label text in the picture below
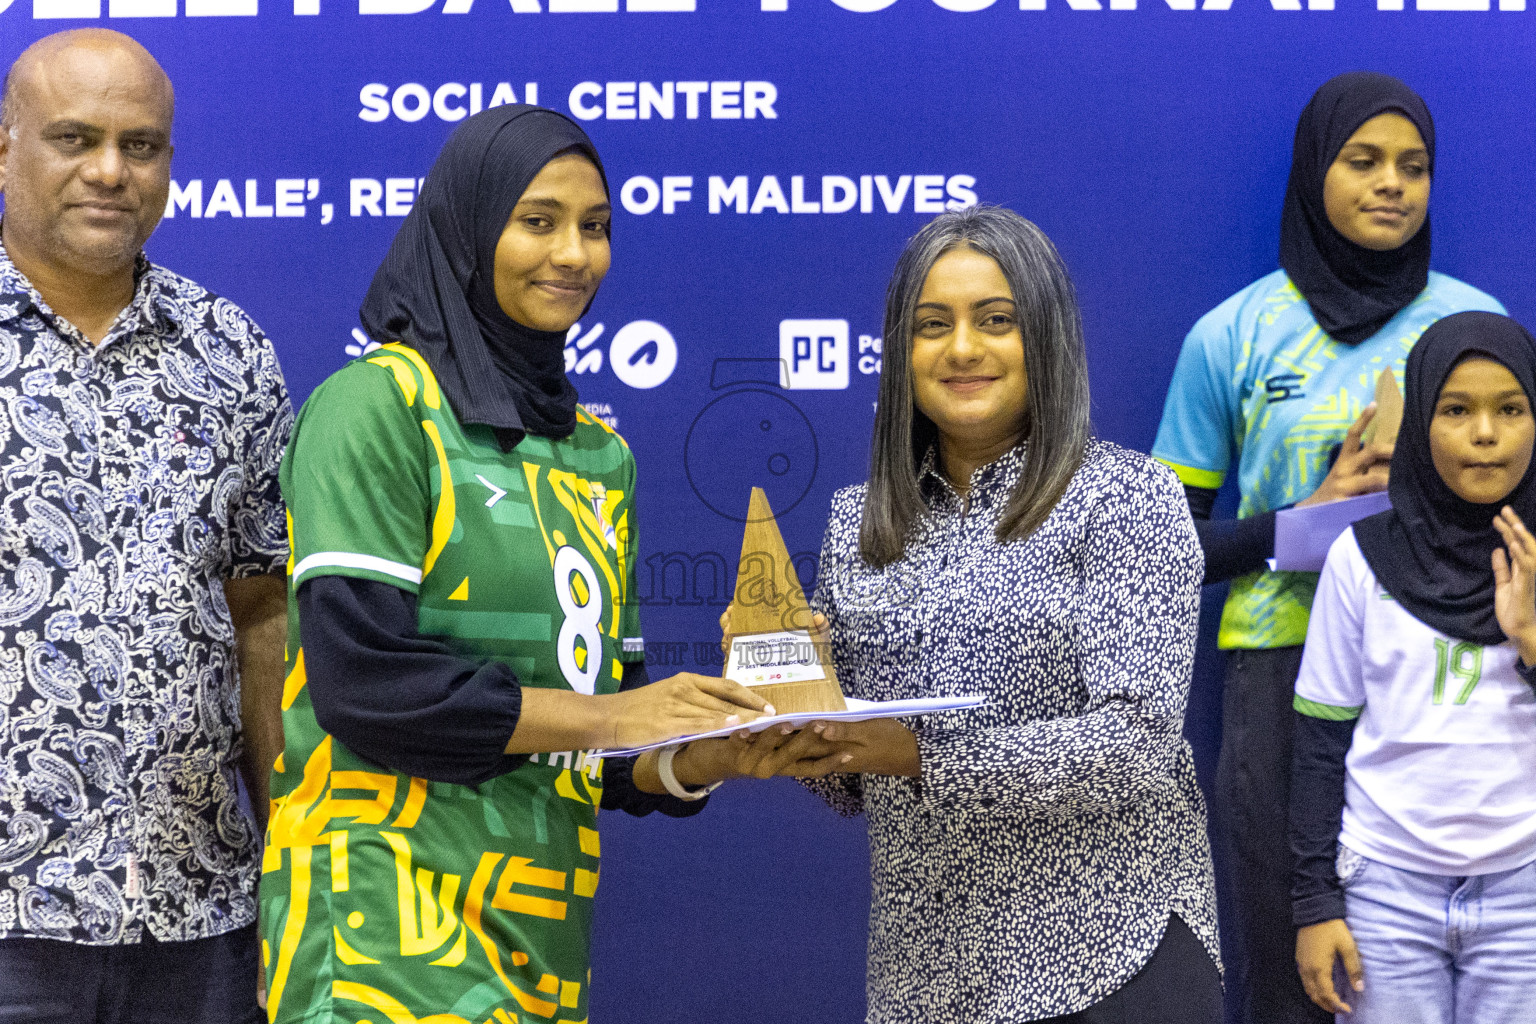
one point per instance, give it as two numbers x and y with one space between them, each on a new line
761 659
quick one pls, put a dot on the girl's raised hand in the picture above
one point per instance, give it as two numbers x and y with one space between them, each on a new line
1514 582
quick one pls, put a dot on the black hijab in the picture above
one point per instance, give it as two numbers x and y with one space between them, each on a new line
1353 291
1431 550
435 290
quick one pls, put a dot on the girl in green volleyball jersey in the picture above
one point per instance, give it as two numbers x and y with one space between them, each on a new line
461 606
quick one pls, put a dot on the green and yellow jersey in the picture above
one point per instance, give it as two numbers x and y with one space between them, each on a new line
389 899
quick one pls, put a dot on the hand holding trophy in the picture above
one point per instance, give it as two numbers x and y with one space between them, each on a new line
777 648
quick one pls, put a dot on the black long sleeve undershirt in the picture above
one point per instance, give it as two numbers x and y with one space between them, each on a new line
1233 547
396 697
409 702
1317 814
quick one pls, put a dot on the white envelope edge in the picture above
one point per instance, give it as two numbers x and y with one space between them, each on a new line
857 711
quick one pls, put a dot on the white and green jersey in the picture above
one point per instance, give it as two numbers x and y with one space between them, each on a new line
391 898
1440 772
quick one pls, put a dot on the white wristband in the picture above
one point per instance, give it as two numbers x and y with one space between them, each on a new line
669 780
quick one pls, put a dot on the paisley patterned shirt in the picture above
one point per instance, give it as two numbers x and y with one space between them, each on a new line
1030 869
135 476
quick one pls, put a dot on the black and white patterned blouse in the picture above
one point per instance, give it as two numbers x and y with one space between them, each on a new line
1030 870
135 476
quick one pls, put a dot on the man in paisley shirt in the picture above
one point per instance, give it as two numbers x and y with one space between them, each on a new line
142 547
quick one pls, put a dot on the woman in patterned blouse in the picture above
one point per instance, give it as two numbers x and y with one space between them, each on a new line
1043 856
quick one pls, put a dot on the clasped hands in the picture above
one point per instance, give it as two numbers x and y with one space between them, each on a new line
883 746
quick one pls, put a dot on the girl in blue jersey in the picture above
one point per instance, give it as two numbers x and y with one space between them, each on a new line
1413 816
1278 377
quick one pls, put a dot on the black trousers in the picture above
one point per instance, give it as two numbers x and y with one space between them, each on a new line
1179 985
204 981
1253 794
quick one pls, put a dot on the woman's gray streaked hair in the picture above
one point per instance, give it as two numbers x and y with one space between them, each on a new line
1056 413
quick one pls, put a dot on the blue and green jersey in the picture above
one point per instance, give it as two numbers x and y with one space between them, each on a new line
1260 382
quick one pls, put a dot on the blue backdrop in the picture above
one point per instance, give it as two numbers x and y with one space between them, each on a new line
1150 142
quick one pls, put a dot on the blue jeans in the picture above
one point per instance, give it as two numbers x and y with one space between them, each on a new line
1440 949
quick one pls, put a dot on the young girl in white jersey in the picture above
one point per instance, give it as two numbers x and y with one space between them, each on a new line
1413 798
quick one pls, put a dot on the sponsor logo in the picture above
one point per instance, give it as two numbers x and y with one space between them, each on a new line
360 344
642 353
497 493
580 354
813 355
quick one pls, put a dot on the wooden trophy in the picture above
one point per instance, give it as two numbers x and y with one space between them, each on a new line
770 646
1389 411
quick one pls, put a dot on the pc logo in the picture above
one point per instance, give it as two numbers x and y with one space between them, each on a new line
813 355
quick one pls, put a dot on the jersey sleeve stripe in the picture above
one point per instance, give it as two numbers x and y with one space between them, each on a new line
1327 712
431 393
443 519
352 560
1193 477
402 372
